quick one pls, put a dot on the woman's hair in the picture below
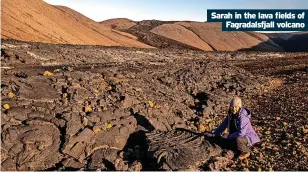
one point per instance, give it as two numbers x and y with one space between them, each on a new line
236 101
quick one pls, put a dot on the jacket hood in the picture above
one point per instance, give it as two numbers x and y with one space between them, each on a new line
245 112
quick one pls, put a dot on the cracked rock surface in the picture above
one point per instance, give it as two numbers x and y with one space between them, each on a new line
68 107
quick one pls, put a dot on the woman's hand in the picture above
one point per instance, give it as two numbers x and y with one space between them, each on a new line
225 136
208 134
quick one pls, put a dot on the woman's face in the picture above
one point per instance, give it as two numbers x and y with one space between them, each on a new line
234 109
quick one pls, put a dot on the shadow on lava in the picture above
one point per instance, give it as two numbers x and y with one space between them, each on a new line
142 121
136 149
109 165
200 99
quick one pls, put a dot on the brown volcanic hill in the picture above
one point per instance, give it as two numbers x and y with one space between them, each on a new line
199 35
119 23
230 41
35 20
181 34
101 28
143 32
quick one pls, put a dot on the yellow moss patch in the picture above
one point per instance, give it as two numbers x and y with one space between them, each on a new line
109 126
47 73
151 104
95 91
97 130
6 106
157 106
208 120
11 95
88 108
201 128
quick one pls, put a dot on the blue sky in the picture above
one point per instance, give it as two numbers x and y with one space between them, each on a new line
194 10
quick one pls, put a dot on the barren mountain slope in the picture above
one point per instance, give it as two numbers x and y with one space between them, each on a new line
35 20
196 35
181 34
291 42
142 30
228 41
265 39
119 23
104 29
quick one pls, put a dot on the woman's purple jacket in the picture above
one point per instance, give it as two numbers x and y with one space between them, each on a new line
242 125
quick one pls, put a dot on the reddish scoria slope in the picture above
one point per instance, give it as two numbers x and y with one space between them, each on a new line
181 34
230 41
35 20
119 23
196 35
